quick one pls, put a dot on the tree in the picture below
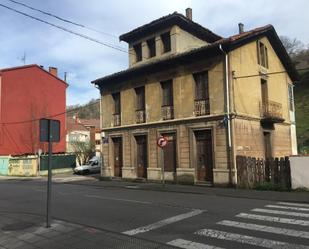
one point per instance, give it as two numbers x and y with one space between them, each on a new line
292 46
83 151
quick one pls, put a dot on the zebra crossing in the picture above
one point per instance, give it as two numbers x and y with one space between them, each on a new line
285 219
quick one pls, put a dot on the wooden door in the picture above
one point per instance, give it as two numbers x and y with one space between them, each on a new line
117 156
169 157
141 155
204 155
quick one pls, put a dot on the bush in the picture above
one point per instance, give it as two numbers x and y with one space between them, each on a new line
268 186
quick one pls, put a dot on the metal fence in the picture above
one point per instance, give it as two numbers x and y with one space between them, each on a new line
252 171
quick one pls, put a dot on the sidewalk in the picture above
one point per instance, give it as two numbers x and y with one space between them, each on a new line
24 231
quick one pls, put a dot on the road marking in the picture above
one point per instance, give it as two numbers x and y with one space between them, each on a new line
293 204
117 199
245 239
271 211
286 207
164 222
273 219
266 229
187 244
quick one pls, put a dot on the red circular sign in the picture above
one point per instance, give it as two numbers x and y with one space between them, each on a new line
162 141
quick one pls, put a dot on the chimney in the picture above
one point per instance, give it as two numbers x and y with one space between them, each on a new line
53 71
65 76
240 27
189 13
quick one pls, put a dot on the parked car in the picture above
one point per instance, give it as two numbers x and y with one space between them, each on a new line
93 166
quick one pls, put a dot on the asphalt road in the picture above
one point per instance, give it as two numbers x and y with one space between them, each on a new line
180 219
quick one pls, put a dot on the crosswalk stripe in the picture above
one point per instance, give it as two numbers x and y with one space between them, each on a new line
271 211
287 207
245 239
267 229
187 244
293 204
273 219
165 222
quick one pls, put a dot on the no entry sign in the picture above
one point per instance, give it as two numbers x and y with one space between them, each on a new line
162 141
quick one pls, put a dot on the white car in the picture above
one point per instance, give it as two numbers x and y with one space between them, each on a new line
93 166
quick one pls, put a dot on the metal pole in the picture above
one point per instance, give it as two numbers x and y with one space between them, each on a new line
49 181
162 167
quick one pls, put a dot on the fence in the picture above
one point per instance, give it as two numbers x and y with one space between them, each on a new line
252 171
61 161
4 165
23 166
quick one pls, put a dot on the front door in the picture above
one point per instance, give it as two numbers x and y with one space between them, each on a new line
117 156
169 158
267 145
141 155
204 155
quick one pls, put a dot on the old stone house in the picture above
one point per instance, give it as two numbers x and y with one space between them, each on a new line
213 98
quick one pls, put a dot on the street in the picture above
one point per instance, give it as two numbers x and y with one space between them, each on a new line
182 220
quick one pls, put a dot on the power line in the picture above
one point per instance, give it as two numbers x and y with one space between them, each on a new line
65 29
51 116
63 19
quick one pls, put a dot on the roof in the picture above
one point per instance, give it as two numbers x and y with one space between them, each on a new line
90 122
228 44
31 66
168 21
73 125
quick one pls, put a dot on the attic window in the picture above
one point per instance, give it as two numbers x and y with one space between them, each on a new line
138 52
151 43
262 54
166 41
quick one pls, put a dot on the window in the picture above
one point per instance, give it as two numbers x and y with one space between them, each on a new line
140 98
167 93
291 98
97 142
116 97
262 54
201 102
140 104
117 109
138 52
166 41
151 43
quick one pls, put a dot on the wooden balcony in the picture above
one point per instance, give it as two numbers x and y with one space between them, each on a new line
140 116
201 107
117 119
271 112
167 112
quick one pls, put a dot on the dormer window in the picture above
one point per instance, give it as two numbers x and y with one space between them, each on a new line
151 43
138 52
166 42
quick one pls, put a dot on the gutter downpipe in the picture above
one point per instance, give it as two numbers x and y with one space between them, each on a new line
228 117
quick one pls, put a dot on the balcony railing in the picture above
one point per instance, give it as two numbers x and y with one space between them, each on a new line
272 110
117 119
201 107
140 116
167 112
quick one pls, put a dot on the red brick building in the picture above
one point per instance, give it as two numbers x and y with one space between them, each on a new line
29 93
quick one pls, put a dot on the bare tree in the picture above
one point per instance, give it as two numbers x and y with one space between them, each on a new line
292 46
83 151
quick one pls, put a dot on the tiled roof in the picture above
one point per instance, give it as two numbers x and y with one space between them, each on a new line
90 122
73 125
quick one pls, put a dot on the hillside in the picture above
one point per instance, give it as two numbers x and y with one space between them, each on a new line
301 95
91 110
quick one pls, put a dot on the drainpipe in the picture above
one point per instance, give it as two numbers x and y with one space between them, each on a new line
228 116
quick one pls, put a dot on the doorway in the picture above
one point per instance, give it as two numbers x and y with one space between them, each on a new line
141 156
204 155
169 155
117 141
267 144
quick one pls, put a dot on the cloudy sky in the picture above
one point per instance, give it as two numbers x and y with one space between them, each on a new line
84 60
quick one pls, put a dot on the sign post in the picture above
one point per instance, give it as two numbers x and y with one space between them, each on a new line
49 132
161 142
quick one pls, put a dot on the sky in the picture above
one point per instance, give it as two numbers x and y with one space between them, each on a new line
85 60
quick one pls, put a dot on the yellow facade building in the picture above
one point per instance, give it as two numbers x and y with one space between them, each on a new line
212 98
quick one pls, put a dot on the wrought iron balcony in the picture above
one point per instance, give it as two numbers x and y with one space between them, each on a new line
140 116
201 107
271 111
167 112
117 119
